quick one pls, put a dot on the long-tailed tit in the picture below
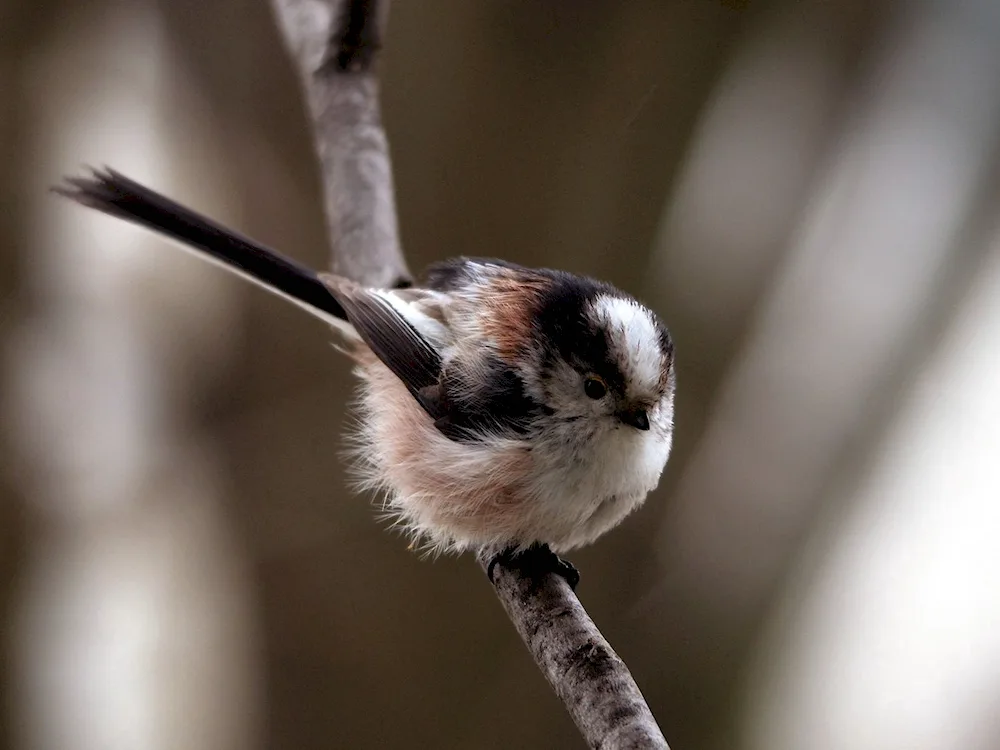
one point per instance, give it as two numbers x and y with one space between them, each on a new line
503 407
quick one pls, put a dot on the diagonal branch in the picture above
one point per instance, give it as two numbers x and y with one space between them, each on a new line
583 669
335 46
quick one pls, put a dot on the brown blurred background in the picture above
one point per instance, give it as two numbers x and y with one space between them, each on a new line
806 191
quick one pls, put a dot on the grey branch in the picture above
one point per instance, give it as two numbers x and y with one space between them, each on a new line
583 669
335 46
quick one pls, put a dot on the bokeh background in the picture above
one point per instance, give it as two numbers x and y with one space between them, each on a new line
806 190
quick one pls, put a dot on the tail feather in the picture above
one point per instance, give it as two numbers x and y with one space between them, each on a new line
112 193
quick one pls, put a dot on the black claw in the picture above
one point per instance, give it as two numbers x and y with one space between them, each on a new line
536 560
498 557
567 570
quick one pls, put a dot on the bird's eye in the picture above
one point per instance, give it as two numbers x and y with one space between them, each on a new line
594 387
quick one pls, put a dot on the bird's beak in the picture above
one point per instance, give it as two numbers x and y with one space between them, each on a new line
636 417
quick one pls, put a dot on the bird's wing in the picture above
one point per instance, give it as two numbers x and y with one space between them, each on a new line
397 329
471 396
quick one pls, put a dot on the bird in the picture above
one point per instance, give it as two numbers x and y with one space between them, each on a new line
521 412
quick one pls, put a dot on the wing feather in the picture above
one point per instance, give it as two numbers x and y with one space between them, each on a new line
388 333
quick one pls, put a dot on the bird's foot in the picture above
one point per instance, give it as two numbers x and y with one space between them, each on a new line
536 560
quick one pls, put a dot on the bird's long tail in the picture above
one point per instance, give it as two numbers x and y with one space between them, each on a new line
117 195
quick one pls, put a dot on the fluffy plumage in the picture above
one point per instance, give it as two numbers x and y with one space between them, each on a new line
475 420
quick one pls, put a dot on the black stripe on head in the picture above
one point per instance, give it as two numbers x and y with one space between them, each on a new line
667 376
567 333
666 342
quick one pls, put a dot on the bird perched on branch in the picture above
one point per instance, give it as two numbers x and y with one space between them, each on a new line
505 408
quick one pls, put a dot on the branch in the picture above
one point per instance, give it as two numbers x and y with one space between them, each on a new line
583 669
336 48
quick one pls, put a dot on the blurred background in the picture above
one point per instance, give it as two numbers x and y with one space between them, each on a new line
807 191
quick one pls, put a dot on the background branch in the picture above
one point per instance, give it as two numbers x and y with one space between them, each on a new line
335 47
